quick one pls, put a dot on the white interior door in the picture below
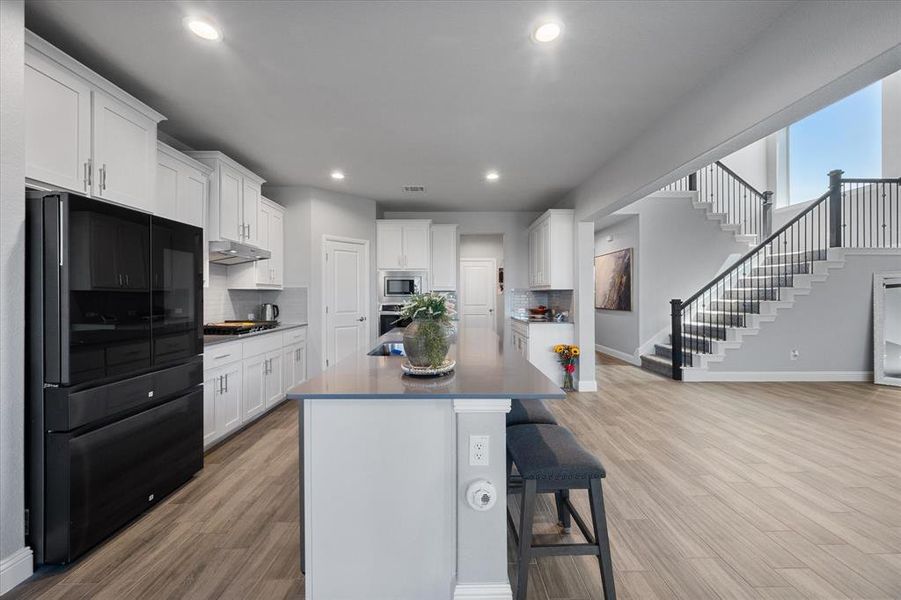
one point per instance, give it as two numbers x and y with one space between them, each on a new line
478 296
345 299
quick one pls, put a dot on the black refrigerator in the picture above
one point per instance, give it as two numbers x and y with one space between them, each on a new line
115 367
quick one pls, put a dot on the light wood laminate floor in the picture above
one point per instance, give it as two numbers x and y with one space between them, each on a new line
713 491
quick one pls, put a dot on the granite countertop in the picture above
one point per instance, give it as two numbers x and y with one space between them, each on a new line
211 340
483 370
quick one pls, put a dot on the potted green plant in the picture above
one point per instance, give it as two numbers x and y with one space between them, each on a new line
426 337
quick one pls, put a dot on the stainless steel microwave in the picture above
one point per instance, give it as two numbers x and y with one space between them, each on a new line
398 285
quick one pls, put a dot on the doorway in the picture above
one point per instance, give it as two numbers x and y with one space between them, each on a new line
478 293
345 297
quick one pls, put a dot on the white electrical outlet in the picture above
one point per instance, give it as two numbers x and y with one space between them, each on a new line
795 354
479 447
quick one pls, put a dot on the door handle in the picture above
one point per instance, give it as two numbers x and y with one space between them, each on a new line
126 280
361 319
220 384
103 177
119 279
226 383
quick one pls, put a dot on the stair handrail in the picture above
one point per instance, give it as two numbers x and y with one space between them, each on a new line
729 193
757 248
829 231
741 180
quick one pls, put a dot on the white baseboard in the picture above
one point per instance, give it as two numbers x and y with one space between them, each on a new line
587 386
483 591
701 375
629 358
15 568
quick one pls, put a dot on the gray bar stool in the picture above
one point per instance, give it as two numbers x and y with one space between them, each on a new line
523 412
550 460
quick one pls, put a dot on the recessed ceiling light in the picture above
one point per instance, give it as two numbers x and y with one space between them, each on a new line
203 29
338 175
547 32
492 176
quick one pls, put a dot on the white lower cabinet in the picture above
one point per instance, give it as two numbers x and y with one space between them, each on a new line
243 379
536 341
254 401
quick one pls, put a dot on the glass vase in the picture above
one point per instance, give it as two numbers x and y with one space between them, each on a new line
426 343
568 382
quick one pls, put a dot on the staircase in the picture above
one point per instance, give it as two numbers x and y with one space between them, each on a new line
854 213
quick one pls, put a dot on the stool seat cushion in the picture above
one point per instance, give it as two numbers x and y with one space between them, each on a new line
523 412
550 452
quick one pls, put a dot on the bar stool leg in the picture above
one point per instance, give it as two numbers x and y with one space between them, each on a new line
563 516
599 519
529 492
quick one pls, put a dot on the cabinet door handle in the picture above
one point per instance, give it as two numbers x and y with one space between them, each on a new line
87 175
220 385
119 279
221 356
103 177
126 280
241 231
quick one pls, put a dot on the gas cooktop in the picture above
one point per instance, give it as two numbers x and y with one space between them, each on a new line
238 327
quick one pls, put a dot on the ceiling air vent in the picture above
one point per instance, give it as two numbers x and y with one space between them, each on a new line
416 189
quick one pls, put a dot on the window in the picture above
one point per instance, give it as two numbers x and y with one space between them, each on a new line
846 135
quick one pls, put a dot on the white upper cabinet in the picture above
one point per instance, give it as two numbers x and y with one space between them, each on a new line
264 274
57 125
124 154
181 186
445 260
84 134
234 199
403 245
551 251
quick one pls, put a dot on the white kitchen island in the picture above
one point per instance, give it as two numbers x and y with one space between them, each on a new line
385 470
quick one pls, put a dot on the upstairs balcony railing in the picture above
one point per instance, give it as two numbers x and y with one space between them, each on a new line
730 195
852 213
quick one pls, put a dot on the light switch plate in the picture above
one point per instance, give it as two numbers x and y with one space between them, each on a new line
479 447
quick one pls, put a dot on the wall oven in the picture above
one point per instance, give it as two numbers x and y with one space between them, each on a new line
115 371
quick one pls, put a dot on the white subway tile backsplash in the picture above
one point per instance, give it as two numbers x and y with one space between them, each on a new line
223 304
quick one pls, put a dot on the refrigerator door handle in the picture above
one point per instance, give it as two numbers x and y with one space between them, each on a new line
56 290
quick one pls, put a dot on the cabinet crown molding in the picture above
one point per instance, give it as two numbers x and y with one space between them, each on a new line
563 212
42 46
182 157
211 155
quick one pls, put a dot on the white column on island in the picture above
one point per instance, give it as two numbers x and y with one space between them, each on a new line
482 535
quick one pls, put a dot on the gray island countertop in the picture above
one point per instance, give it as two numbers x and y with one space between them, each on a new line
483 370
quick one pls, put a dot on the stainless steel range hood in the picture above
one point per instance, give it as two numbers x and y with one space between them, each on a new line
234 253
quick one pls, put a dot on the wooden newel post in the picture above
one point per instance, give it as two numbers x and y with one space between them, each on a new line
766 226
676 305
835 208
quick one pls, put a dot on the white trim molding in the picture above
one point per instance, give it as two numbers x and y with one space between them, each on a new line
587 386
483 591
15 568
629 358
702 375
482 405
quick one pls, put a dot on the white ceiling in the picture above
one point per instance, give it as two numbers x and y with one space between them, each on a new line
395 93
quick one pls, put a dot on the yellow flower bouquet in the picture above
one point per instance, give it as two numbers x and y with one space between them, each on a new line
568 355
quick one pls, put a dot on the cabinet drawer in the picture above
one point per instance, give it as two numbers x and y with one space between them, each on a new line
262 344
221 354
520 328
295 336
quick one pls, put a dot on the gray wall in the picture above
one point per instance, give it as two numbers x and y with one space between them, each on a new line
832 327
310 214
678 251
12 276
616 329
